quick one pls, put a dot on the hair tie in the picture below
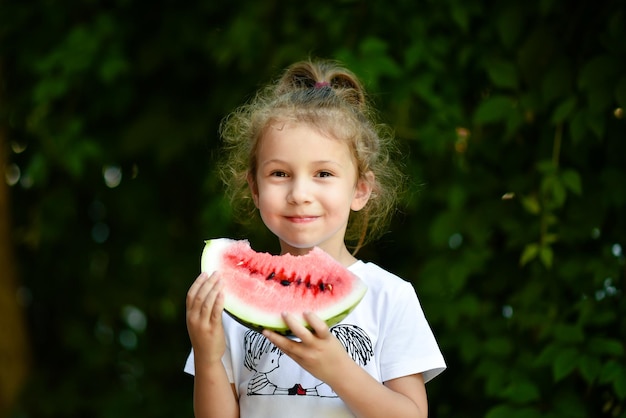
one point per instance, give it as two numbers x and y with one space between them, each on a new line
321 84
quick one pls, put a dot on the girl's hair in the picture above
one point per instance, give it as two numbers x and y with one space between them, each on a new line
331 99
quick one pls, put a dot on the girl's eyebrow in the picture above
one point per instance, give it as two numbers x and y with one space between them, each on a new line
272 160
318 162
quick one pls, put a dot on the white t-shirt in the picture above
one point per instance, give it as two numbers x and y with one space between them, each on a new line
386 334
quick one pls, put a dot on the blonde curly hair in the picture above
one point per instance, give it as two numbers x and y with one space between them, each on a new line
328 97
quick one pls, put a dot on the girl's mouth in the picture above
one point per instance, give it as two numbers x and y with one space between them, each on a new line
301 219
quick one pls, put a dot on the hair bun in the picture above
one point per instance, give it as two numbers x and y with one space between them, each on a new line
320 74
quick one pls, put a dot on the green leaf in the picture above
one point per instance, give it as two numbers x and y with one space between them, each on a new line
566 333
443 226
494 109
557 83
461 17
547 167
38 169
554 191
619 385
507 411
578 126
600 99
565 363
531 204
611 370
548 354
546 254
498 346
513 123
502 73
521 391
571 180
509 23
49 88
598 70
609 346
380 62
590 367
570 405
564 110
615 374
596 122
501 411
530 253
550 238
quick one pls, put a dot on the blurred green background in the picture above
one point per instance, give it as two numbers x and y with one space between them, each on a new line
510 114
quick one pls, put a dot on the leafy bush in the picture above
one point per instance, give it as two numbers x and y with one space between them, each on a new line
512 117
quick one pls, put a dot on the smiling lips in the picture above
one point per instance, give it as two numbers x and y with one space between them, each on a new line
301 219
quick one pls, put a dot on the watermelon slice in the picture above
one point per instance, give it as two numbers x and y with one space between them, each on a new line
258 287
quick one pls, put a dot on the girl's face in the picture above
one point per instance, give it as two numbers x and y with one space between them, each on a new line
305 187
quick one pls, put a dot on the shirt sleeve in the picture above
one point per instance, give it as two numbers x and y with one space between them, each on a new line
189 364
409 345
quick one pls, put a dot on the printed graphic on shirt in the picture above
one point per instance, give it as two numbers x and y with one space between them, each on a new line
263 358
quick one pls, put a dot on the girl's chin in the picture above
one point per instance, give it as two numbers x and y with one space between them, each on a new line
297 247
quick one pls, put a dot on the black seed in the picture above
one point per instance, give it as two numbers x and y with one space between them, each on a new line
321 285
271 276
285 282
299 280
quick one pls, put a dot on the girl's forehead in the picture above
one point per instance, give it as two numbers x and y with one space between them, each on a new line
308 137
303 145
285 129
320 134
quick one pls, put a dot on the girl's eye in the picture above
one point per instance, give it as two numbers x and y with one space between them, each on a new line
324 174
278 174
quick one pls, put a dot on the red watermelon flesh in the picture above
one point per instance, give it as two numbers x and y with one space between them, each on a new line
258 286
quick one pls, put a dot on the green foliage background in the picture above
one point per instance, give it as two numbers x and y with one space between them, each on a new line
511 117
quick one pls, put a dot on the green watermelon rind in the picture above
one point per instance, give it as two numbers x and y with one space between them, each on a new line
211 261
283 329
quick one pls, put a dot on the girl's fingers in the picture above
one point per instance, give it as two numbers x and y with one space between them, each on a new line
210 292
315 328
196 285
200 289
218 306
318 326
285 344
295 326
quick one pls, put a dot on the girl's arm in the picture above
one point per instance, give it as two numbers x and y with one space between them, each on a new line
322 355
366 397
214 396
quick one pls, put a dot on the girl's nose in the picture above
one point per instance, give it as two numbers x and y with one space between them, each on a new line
300 192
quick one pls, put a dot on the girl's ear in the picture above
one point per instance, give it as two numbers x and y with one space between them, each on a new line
363 191
254 190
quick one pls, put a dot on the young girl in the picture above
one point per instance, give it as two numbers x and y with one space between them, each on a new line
308 155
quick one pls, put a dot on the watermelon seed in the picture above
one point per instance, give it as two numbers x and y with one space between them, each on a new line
285 282
271 276
321 285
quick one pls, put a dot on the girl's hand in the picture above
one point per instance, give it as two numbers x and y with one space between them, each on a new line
205 303
318 352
